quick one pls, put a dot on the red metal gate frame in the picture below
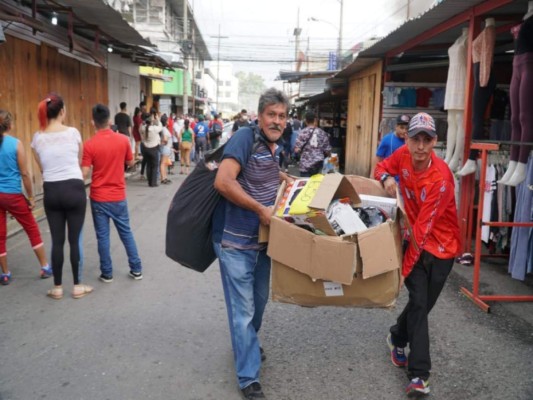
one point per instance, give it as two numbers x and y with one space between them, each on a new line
474 295
466 205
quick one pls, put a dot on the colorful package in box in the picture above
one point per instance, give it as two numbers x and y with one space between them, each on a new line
300 205
291 192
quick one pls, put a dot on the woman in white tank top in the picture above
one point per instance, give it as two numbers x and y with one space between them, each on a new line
58 149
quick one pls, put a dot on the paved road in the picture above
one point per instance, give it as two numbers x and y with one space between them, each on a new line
166 337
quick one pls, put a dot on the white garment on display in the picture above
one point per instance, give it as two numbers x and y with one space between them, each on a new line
490 187
455 142
454 98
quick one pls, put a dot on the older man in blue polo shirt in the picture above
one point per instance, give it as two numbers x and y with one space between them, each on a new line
248 178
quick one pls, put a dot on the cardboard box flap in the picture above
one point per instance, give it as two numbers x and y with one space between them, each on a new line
378 248
333 186
289 244
367 186
333 259
319 257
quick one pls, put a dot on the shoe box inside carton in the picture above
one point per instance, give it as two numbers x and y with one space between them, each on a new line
360 270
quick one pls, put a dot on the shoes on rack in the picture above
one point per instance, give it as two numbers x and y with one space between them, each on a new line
465 259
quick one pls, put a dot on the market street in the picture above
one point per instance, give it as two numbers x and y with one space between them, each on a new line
166 337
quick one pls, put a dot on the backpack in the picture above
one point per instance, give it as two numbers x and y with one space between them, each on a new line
189 228
215 132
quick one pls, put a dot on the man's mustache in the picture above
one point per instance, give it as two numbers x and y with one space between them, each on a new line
275 127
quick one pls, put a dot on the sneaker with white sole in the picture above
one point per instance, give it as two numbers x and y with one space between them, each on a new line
136 275
397 354
418 387
106 278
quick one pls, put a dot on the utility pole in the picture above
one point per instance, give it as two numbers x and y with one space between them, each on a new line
185 53
339 43
297 32
307 54
218 63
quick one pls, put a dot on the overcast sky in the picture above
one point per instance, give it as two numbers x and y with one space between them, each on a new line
260 33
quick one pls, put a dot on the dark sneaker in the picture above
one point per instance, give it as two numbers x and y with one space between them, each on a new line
397 354
253 391
46 272
417 388
5 279
106 278
263 355
136 275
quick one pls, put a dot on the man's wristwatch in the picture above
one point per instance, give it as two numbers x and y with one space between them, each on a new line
383 178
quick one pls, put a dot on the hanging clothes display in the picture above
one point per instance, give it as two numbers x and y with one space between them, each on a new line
521 244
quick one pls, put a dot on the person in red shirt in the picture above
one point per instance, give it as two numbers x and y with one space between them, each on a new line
107 152
427 187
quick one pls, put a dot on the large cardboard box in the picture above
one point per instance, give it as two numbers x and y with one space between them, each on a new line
337 258
309 261
292 287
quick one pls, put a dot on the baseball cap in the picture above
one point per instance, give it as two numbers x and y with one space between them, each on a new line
403 119
422 122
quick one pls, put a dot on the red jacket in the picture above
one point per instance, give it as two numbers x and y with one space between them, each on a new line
429 201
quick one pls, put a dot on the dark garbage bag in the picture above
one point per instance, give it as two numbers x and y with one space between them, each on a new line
188 233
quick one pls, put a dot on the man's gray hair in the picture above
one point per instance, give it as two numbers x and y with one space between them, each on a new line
272 96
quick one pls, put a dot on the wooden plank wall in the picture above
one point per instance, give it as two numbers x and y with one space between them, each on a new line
30 72
363 119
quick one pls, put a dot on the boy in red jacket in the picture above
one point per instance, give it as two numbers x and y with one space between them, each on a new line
427 188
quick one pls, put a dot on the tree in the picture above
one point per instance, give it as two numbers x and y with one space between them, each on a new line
250 88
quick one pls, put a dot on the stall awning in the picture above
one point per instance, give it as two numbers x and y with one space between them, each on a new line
445 14
109 21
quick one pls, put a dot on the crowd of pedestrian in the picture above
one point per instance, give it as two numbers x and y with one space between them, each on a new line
64 161
254 161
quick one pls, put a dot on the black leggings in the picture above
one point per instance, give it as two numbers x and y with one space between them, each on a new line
151 155
64 204
480 101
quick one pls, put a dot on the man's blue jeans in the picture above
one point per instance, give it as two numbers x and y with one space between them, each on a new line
246 282
118 212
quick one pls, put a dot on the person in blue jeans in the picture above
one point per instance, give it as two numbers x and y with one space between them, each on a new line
107 152
248 179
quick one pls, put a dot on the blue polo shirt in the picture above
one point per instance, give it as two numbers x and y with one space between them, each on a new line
259 177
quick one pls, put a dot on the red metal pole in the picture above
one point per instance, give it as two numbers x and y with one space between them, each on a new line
468 182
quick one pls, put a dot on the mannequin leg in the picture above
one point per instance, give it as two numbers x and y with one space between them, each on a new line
509 173
521 116
480 102
451 135
460 141
519 174
469 168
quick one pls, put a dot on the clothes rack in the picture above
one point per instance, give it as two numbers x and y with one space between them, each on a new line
474 295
